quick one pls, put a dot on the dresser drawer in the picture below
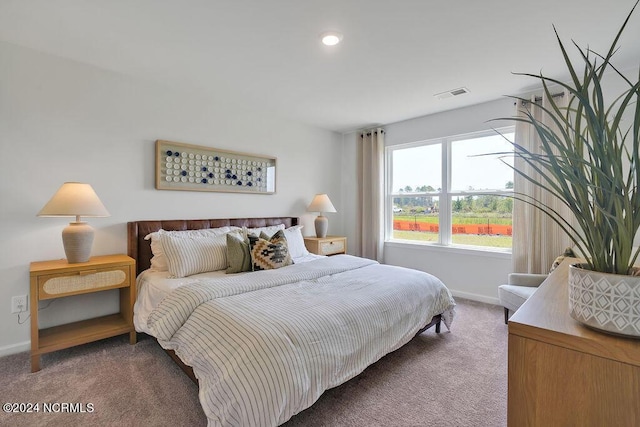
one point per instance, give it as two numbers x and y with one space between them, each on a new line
82 281
332 247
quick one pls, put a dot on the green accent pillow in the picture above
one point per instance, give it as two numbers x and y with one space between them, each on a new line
238 255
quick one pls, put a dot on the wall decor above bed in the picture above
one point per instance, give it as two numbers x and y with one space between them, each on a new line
198 168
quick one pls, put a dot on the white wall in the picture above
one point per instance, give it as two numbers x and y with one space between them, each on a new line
65 121
350 200
468 273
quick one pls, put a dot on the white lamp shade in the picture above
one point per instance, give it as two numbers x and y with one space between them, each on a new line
321 203
74 199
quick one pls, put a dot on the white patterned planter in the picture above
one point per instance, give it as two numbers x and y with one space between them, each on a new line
608 302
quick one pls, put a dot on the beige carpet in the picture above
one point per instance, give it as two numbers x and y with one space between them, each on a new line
455 379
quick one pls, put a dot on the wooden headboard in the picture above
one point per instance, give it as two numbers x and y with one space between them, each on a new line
140 249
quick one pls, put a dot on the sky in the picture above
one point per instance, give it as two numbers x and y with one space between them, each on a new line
419 166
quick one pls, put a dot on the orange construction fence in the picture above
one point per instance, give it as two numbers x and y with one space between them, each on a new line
495 229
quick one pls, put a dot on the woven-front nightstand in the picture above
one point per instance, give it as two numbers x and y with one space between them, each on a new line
330 245
59 279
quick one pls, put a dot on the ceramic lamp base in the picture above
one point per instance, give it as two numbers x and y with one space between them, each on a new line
77 239
322 225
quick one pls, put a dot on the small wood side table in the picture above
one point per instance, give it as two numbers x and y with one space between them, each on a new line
59 279
330 245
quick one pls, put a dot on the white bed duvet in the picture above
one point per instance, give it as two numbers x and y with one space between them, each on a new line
265 345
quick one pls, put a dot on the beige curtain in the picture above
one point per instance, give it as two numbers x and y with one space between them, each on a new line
537 240
371 193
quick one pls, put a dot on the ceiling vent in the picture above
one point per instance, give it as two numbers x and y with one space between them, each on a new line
450 93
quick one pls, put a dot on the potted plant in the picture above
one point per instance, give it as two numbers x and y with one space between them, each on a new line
590 160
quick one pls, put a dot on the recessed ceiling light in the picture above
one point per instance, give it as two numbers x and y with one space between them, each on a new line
331 38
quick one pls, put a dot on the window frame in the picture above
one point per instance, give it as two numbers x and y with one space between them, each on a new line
445 195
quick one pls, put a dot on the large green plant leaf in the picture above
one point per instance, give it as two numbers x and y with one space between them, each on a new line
587 159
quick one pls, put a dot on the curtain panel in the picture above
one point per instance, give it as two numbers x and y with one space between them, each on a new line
371 193
537 240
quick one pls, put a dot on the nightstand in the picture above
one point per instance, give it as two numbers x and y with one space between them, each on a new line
59 279
330 245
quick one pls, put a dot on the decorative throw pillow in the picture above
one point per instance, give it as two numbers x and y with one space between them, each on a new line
568 253
238 253
267 254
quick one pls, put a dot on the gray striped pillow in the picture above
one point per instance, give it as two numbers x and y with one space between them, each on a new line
192 255
159 260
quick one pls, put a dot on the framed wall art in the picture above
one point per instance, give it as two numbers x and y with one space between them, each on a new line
198 168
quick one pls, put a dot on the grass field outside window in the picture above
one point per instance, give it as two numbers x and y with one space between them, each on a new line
448 191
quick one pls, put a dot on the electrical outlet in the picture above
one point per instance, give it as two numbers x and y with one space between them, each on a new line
19 304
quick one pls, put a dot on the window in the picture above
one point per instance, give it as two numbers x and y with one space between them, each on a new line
452 191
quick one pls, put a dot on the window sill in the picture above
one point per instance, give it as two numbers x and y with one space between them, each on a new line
500 253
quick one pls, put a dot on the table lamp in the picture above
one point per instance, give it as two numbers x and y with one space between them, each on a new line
76 199
321 203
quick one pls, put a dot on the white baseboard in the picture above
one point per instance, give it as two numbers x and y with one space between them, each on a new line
475 297
15 348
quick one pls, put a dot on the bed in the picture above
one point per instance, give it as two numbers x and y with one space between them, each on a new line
264 345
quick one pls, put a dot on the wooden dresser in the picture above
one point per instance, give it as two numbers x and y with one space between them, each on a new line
564 374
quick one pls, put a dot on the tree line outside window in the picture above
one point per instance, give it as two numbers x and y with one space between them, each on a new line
467 199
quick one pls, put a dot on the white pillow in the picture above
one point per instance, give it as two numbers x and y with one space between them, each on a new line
269 231
159 260
295 241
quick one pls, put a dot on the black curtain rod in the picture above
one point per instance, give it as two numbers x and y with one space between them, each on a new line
539 98
369 133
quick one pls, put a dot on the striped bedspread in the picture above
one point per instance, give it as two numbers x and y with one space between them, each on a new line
265 345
